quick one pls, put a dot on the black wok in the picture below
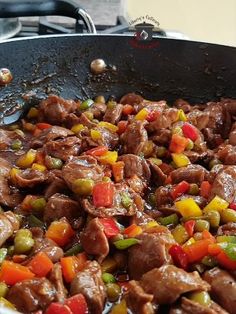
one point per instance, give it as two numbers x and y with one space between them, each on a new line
166 69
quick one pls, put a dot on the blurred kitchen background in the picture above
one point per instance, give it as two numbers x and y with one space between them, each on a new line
203 20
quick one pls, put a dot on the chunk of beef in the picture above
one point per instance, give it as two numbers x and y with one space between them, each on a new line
227 229
56 279
131 99
89 282
29 178
157 106
54 109
224 184
98 110
108 138
8 224
135 165
83 119
56 185
5 167
113 115
164 121
134 138
151 252
198 118
163 196
137 184
138 301
227 154
158 176
232 135
191 174
94 240
60 205
223 288
48 246
32 295
182 104
168 282
82 167
189 307
216 116
199 157
161 137
71 119
7 137
117 208
48 135
63 148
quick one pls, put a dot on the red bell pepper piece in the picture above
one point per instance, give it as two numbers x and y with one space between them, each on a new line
103 193
40 264
178 255
77 304
97 151
178 144
110 227
180 189
58 308
205 189
190 131
43 126
189 226
197 250
127 109
152 115
225 261
232 206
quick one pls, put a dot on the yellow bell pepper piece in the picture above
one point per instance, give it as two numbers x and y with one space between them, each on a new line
120 308
95 134
109 157
142 114
217 203
188 208
5 303
26 160
33 113
38 167
109 126
180 160
148 148
77 128
13 173
151 224
189 242
182 115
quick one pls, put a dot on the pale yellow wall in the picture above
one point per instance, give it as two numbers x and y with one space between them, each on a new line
205 20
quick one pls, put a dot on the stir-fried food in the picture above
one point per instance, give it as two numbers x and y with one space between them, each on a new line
119 207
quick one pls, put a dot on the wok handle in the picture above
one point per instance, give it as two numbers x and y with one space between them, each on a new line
67 8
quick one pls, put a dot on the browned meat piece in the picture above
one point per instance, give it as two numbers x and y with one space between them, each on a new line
232 135
134 138
8 197
54 109
223 288
82 167
60 205
7 137
5 167
50 134
94 240
108 138
117 209
201 201
196 157
227 154
158 106
8 224
224 184
163 196
48 246
190 307
29 178
151 252
165 120
56 185
70 120
32 295
140 218
131 99
89 282
135 165
63 148
191 174
216 116
182 104
83 119
137 184
98 110
57 280
138 301
113 115
168 282
199 118
161 137
157 174
227 229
